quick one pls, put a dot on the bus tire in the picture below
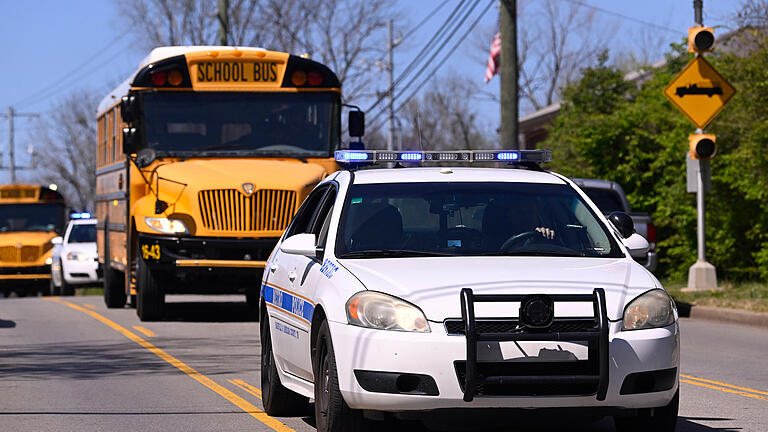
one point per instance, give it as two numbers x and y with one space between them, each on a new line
150 299
114 290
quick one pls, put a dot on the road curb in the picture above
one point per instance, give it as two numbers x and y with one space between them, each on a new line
732 316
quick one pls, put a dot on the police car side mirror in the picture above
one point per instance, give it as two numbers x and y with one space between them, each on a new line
638 246
300 244
623 223
57 240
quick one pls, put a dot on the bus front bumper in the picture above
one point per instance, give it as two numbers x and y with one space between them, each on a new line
204 253
26 273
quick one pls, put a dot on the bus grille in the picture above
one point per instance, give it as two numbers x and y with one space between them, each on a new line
228 210
19 254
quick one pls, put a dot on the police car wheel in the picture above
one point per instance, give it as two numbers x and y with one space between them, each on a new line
66 289
53 289
664 419
150 300
277 400
332 414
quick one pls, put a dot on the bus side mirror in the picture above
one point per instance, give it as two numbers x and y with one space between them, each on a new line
129 108
130 140
356 123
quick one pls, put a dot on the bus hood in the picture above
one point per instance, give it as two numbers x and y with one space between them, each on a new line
433 284
199 174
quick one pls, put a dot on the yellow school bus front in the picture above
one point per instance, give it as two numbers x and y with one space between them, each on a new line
224 144
30 216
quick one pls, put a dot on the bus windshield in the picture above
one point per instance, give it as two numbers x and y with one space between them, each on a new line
259 124
31 217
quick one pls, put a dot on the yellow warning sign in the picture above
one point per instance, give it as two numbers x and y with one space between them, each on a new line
699 92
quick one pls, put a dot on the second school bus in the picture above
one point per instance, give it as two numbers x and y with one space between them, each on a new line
204 155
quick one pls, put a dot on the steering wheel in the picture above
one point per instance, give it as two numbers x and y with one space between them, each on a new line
523 237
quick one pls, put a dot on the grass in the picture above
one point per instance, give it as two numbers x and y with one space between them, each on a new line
89 291
751 296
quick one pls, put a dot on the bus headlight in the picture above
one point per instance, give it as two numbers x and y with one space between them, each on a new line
48 261
653 309
166 226
381 311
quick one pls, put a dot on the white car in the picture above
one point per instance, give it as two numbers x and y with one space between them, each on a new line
74 258
404 291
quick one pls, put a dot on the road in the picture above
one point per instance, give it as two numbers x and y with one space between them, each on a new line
71 364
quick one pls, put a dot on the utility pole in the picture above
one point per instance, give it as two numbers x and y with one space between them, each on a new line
223 7
508 73
391 92
11 145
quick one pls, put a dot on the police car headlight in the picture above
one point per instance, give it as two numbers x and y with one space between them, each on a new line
653 309
166 226
78 256
381 311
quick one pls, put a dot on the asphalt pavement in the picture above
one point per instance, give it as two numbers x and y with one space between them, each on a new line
70 364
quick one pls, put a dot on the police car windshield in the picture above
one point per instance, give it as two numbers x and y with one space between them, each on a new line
82 233
469 219
258 124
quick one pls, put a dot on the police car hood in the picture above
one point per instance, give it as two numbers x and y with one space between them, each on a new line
433 283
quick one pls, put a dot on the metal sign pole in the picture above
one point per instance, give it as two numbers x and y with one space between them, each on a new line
700 210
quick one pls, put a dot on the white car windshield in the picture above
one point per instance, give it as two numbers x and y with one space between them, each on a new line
469 219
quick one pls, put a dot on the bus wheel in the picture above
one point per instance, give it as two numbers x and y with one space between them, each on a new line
150 300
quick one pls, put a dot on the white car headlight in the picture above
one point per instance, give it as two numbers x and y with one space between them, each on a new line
78 256
166 226
652 309
381 311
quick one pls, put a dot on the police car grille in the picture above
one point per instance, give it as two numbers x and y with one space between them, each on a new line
455 327
230 210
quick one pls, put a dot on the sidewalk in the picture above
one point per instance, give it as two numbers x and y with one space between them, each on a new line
732 316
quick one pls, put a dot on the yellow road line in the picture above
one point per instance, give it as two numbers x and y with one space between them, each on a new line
724 384
178 364
724 389
247 387
147 332
90 306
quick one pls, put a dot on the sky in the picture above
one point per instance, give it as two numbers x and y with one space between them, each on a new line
53 47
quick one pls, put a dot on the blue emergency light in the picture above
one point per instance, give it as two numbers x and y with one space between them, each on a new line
462 156
83 215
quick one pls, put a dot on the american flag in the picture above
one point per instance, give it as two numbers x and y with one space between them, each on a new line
493 58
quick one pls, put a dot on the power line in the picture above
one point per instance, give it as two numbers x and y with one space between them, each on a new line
622 16
67 85
65 79
440 49
440 64
418 57
423 21
467 12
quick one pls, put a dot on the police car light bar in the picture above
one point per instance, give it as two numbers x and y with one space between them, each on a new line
83 215
462 156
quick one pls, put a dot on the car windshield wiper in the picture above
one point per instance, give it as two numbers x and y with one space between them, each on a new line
392 253
534 253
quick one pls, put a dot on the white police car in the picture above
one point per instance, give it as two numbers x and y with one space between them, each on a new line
404 291
74 257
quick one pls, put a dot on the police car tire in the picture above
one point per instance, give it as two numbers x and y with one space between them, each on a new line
277 400
664 419
53 289
66 289
339 416
150 300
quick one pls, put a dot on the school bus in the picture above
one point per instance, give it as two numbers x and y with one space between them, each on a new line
204 155
30 216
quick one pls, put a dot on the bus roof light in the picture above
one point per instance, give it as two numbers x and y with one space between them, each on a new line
299 78
158 78
315 78
174 77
